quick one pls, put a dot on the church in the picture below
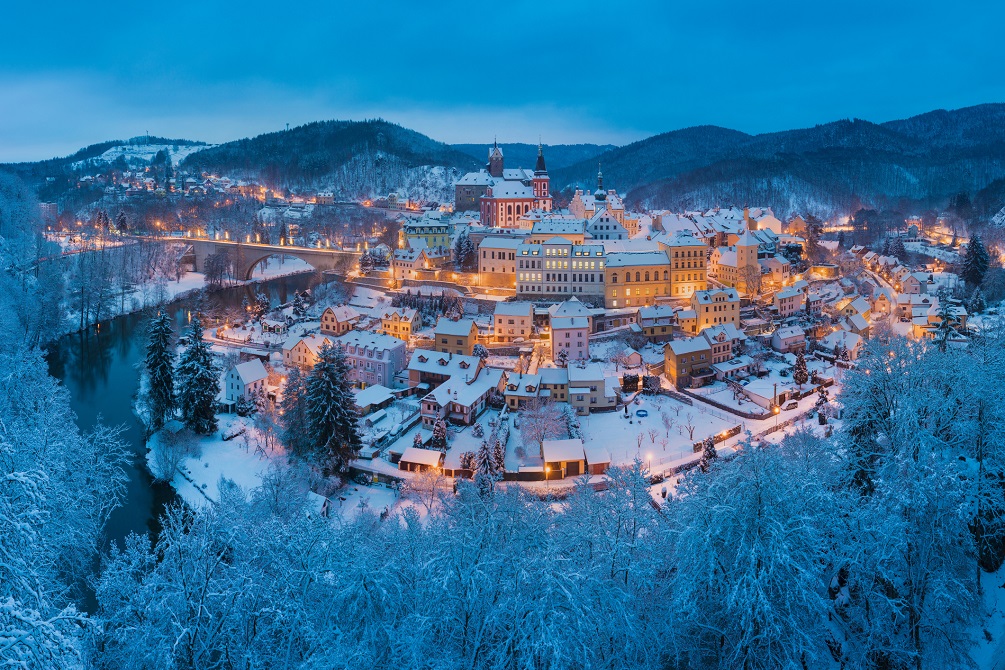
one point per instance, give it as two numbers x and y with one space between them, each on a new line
503 195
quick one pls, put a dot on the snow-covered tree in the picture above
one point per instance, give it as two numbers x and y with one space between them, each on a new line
159 366
542 420
977 302
333 434
897 248
975 262
480 350
486 470
708 454
439 440
293 413
799 374
562 358
198 382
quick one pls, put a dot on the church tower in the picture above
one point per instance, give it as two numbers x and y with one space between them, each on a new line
601 194
746 251
541 182
495 165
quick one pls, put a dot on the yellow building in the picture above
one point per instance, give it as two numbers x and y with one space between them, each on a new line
716 307
400 322
689 256
456 337
636 279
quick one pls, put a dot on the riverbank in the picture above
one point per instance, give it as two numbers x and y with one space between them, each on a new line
160 293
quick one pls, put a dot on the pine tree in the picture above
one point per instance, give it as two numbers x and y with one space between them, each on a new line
365 264
121 224
800 376
261 306
480 350
283 234
975 262
499 451
331 420
160 370
439 440
198 382
562 359
708 454
293 410
486 473
897 248
417 440
977 303
885 250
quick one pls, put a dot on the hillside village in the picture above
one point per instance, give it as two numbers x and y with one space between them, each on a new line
566 341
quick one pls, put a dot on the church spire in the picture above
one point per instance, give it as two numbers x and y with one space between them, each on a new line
601 194
540 168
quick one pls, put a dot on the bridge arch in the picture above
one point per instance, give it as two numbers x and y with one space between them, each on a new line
248 256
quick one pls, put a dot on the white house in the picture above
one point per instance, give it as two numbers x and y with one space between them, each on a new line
244 380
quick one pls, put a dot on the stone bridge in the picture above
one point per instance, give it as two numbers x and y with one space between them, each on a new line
246 256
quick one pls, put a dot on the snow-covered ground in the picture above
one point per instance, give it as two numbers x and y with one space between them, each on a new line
143 153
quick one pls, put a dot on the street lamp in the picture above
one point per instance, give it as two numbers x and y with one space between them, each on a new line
649 457
547 478
775 409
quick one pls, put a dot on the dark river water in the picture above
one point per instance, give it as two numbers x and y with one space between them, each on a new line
101 366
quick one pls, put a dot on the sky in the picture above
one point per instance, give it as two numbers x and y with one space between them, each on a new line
73 74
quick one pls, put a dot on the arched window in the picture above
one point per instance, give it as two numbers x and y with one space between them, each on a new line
637 276
647 276
666 275
509 209
614 278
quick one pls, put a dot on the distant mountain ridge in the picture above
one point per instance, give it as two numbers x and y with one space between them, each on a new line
352 158
831 167
918 162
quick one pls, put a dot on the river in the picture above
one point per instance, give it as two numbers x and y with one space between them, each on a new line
101 366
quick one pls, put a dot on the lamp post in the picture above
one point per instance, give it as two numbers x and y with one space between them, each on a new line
547 479
775 409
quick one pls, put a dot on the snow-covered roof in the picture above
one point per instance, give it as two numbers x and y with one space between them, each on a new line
553 375
689 346
567 322
419 456
369 340
788 293
495 242
373 395
637 258
563 450
463 391
588 372
342 313
789 332
708 297
435 362
571 307
459 328
251 371
729 330
514 309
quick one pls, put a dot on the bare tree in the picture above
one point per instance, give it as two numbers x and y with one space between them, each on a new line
689 426
653 434
542 420
668 421
639 438
751 278
426 487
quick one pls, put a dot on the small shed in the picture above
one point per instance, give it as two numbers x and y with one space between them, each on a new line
565 457
417 460
598 459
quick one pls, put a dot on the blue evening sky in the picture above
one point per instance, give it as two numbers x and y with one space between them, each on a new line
75 73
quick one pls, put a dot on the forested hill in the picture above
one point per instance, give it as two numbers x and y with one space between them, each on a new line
525 155
353 158
833 167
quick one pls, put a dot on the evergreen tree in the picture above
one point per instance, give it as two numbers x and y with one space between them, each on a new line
486 473
439 440
562 358
708 454
121 224
977 303
799 375
499 451
885 250
814 229
331 419
198 382
897 248
261 306
975 262
417 440
480 350
365 263
293 410
160 370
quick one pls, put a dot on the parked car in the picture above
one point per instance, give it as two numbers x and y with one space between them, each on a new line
792 404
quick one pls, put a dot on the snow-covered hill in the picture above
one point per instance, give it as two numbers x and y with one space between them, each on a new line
142 153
